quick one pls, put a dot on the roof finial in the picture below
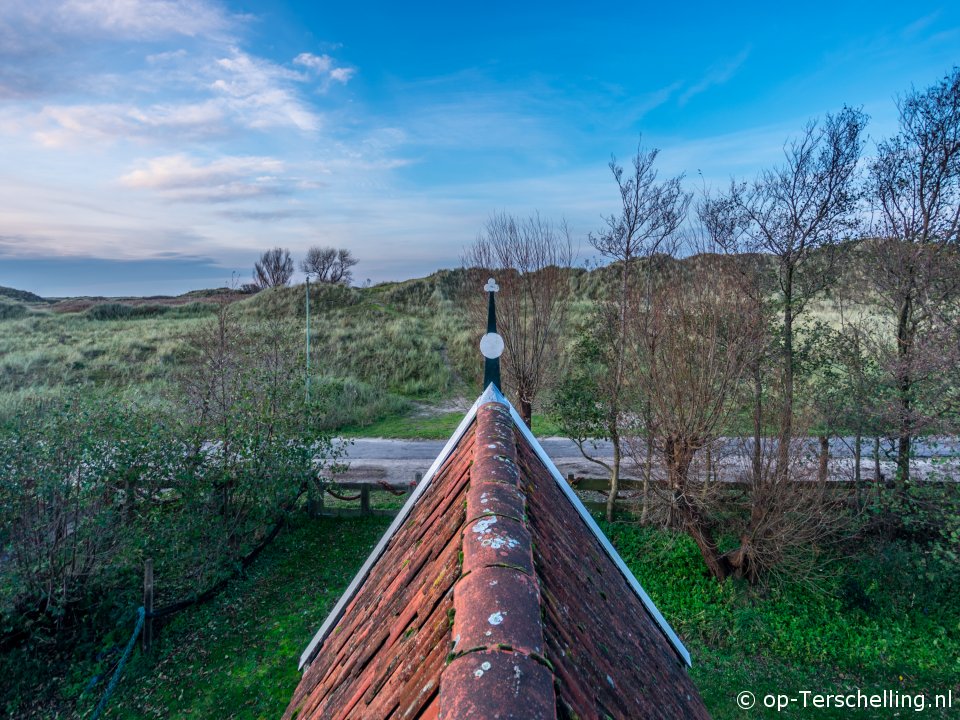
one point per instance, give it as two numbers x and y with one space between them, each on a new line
491 344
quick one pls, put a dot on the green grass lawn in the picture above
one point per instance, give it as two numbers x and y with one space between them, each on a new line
236 657
878 622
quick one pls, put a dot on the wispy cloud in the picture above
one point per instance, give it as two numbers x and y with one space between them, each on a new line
61 125
920 24
147 19
716 75
234 90
325 67
259 92
264 215
318 63
183 179
342 74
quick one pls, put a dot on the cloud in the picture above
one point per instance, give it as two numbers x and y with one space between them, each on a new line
323 65
236 90
264 215
168 56
147 19
318 63
717 75
60 125
180 178
920 24
259 92
342 74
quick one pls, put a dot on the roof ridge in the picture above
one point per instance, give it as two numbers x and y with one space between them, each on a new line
498 635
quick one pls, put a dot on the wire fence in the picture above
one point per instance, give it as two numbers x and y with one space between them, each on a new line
115 678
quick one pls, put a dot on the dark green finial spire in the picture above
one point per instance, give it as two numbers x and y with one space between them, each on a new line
491 344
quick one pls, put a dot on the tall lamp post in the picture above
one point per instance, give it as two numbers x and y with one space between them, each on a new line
308 338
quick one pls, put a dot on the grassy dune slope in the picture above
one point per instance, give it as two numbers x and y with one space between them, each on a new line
380 350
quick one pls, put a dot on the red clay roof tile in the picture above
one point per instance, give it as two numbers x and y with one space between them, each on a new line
494 599
497 685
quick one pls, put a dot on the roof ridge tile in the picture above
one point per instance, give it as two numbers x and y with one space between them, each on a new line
497 598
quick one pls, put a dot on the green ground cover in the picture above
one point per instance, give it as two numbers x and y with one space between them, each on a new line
882 620
878 624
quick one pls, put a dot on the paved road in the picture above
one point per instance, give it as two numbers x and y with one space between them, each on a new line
396 461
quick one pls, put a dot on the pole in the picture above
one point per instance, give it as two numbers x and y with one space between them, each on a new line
491 365
308 339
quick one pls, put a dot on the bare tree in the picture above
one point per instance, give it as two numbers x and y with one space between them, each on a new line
651 212
915 184
723 229
329 265
530 258
705 335
784 517
273 269
800 212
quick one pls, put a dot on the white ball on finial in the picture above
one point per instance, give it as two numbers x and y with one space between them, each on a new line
491 346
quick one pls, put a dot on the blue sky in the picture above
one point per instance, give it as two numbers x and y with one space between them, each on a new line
157 146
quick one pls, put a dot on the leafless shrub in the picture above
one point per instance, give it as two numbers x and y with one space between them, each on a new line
788 520
329 265
700 338
273 269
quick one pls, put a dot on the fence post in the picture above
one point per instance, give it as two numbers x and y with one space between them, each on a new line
147 637
365 500
315 500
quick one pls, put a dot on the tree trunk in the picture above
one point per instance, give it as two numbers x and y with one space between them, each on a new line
709 469
678 457
857 440
716 563
647 471
904 393
757 424
877 475
526 412
786 414
824 460
857 477
614 480
647 466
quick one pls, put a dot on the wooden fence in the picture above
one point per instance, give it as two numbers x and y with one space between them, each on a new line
359 491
